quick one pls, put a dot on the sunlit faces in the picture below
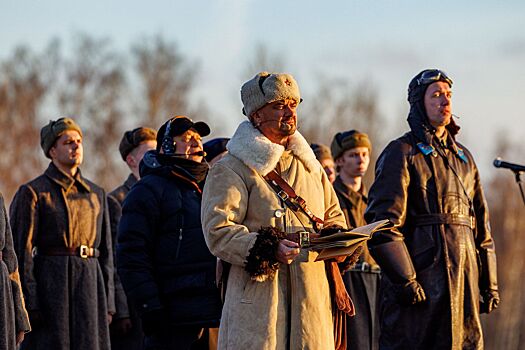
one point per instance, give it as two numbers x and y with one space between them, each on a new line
329 168
354 162
438 98
188 144
277 120
67 152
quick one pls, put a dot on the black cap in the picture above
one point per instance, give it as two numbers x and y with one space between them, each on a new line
178 125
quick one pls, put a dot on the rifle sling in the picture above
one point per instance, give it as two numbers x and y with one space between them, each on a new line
287 194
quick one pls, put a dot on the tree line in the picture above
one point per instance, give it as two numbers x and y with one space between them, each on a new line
109 91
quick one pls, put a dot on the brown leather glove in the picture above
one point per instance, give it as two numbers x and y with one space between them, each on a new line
410 293
338 289
490 301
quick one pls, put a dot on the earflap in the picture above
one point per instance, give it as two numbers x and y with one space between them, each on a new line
168 143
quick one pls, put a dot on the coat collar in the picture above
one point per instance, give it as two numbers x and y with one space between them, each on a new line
130 181
65 181
349 194
257 152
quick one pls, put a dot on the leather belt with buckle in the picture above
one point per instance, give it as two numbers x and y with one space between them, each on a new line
83 251
366 267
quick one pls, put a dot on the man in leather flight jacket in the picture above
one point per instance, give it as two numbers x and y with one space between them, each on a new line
439 259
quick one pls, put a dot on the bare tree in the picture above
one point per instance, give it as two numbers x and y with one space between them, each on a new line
336 107
166 79
505 327
263 60
91 92
25 81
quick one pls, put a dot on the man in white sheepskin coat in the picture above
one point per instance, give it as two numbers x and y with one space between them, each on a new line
277 296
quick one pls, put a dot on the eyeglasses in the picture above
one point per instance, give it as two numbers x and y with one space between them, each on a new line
432 76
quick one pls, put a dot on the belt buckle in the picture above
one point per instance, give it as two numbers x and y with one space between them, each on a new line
84 251
283 195
304 239
365 267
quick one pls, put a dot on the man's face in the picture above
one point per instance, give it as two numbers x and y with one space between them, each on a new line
67 150
188 143
329 168
438 98
354 162
134 157
277 120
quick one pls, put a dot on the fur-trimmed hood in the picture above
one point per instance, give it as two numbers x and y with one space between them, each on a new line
257 152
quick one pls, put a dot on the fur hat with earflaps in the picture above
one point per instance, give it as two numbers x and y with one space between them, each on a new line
267 88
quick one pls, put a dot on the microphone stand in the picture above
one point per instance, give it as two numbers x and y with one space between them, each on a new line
519 182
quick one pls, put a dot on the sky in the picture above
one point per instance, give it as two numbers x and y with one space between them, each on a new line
480 44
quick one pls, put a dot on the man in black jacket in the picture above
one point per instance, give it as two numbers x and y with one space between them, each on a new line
163 261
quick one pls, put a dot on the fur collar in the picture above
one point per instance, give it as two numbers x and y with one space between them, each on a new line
260 154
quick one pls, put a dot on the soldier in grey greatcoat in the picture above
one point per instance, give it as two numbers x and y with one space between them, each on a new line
126 330
61 234
14 321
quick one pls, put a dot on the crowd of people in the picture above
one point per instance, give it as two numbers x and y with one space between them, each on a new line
206 246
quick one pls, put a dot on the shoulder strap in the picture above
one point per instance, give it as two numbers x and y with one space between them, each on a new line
287 194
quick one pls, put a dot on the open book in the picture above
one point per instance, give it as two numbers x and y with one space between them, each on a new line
346 242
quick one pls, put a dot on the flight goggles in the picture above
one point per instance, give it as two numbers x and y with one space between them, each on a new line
431 76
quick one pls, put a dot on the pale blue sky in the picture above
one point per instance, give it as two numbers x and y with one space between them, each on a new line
481 44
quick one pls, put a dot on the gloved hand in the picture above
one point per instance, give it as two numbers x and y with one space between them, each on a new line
490 301
154 321
410 293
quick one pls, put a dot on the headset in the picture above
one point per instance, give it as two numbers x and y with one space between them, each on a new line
169 144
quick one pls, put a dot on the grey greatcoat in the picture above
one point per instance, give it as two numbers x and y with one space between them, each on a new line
135 338
13 314
73 294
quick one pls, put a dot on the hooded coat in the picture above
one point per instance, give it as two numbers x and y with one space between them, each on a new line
73 294
292 310
434 198
162 258
13 314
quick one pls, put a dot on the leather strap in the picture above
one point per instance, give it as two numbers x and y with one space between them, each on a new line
83 251
444 218
296 237
287 194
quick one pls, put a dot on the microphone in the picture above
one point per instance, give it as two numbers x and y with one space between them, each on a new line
498 163
199 153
